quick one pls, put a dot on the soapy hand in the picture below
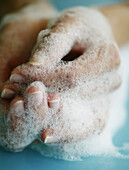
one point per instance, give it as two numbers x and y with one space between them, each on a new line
23 119
73 51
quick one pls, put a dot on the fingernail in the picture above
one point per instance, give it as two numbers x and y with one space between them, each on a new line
36 141
47 136
35 63
36 92
17 78
18 149
18 102
18 107
54 103
50 139
7 93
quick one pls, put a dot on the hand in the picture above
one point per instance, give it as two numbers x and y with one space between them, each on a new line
23 119
17 36
41 116
88 52
87 66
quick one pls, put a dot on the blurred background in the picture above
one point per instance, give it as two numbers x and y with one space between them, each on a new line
62 4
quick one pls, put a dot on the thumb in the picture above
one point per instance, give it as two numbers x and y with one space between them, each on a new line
55 42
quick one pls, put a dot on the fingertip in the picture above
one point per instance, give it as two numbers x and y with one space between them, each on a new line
7 93
54 100
47 135
34 63
36 87
36 60
17 105
35 94
17 100
17 78
36 101
16 111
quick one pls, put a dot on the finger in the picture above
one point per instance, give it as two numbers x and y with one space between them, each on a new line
47 136
36 101
54 101
92 64
10 90
74 29
7 93
56 41
55 104
16 113
4 108
29 112
13 138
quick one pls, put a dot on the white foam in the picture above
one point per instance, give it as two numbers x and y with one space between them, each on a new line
76 108
98 144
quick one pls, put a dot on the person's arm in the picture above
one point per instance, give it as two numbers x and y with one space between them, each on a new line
118 17
10 6
22 26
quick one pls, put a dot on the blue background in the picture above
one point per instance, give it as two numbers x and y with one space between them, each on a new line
61 4
31 160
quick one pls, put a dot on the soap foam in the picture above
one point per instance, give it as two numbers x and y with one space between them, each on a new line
80 113
87 112
98 144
